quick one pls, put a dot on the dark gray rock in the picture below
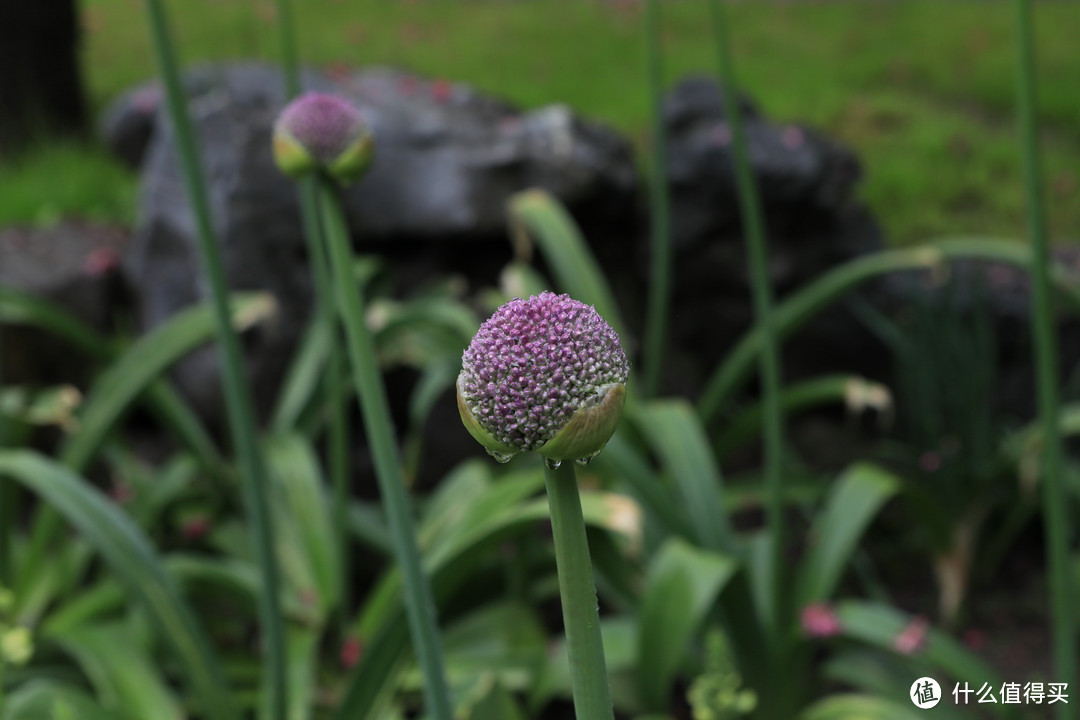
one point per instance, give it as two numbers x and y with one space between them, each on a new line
74 266
806 183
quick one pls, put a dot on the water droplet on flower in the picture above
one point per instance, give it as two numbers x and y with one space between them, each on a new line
500 457
584 460
552 463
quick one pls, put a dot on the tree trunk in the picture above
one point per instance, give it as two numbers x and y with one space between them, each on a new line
41 93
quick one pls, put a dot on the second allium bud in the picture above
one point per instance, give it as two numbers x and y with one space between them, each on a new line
319 131
545 375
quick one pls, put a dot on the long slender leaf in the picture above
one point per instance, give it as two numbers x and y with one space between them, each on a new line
49 700
20 308
133 560
856 497
681 588
677 436
309 556
122 672
879 625
804 304
535 214
448 565
144 362
859 707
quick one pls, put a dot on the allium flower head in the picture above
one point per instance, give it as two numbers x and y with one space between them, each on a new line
545 374
322 131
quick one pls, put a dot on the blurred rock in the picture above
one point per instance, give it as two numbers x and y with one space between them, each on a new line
446 160
1003 292
806 183
74 266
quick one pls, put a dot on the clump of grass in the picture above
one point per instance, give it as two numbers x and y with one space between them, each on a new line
66 179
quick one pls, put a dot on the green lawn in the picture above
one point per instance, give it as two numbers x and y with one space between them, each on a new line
922 89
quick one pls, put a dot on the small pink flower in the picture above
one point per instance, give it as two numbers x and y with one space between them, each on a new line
793 137
121 493
819 621
442 91
911 639
351 651
100 262
194 528
975 639
930 461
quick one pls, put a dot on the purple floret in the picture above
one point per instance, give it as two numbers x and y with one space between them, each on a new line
534 363
325 125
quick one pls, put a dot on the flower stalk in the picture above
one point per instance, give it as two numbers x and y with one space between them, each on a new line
238 403
660 211
1055 505
577 591
419 602
754 232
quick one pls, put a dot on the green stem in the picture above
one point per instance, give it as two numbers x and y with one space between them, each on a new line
7 508
237 393
754 229
288 48
338 448
419 603
588 670
1055 505
660 212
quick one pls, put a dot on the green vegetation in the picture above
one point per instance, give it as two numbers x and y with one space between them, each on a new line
921 89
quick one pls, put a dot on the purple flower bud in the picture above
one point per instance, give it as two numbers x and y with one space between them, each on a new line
321 131
545 374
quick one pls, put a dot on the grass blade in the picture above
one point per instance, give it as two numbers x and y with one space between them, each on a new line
132 559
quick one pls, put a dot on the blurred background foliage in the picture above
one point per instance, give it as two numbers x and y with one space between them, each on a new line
921 89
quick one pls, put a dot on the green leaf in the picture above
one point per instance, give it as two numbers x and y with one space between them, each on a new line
860 707
20 308
305 542
304 378
131 558
487 699
879 625
52 700
382 628
857 495
676 434
681 587
536 214
121 671
146 360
